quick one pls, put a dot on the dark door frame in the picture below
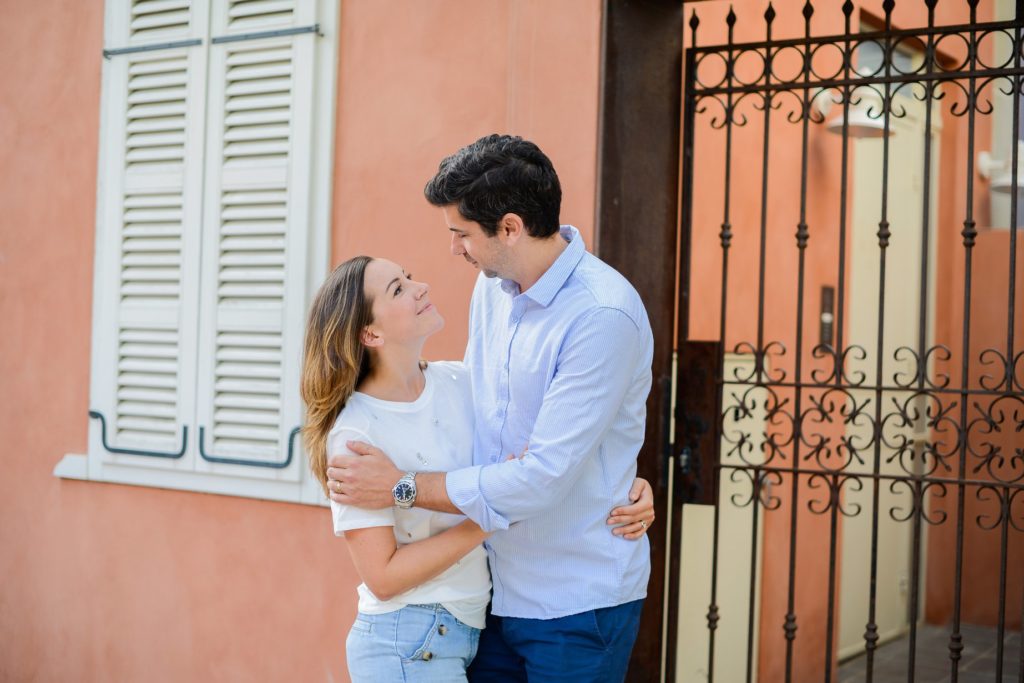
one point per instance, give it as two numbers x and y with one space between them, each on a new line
636 232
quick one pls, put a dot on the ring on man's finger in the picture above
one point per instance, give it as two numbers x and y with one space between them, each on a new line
643 524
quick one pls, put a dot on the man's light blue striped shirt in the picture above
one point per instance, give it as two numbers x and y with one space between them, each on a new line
566 368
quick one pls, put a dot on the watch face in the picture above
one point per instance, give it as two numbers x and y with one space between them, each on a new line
403 492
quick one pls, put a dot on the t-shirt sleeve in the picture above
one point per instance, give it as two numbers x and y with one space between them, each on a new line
347 517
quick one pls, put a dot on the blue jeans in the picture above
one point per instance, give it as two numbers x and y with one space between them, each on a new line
416 643
589 647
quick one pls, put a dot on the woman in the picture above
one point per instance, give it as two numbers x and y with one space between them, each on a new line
425 580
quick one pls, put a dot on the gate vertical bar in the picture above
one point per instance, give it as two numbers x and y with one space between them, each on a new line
844 182
871 632
1004 518
683 322
922 333
725 239
969 233
1016 92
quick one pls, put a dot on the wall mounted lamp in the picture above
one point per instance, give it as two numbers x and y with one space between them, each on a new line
999 172
864 115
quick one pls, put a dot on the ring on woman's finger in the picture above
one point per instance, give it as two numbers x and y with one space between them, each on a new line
643 524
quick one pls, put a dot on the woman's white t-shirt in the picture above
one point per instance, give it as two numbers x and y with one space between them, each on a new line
434 433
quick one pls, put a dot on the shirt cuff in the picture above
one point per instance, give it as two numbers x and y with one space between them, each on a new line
463 488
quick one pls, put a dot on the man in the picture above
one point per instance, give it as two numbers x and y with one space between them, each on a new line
560 354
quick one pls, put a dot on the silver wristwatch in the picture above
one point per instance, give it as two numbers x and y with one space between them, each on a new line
405 491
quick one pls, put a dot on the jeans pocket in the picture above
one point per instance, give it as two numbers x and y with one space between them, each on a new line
598 633
362 624
414 631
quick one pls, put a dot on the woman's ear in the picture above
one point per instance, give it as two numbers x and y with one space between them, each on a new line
370 338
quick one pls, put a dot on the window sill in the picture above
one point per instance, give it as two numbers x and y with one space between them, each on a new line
77 466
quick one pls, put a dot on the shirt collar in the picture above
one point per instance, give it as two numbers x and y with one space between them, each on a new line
545 289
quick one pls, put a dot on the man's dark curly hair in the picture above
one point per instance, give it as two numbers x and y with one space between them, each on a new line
496 175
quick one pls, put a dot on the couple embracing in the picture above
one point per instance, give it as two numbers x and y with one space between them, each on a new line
513 469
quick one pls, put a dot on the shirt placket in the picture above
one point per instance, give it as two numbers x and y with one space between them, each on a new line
515 316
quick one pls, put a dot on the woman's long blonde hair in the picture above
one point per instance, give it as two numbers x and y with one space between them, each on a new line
334 359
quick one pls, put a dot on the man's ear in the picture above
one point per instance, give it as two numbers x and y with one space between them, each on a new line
370 338
511 228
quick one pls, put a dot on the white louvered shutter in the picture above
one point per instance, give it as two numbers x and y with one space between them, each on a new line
148 216
256 230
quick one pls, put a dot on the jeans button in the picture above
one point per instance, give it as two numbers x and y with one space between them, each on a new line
442 629
427 656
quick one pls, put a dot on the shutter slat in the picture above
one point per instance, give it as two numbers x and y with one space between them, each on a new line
232 275
243 370
234 408
247 9
154 124
228 354
149 292
257 117
143 7
168 94
148 245
256 149
157 139
152 213
242 230
159 80
274 258
245 433
149 366
261 386
245 133
173 20
133 424
249 293
151 260
279 71
240 88
159 110
253 211
131 392
152 380
255 102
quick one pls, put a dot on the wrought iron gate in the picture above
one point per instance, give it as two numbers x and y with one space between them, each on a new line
854 388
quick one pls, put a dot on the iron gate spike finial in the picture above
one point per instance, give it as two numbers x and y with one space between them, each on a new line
808 10
694 21
888 6
769 14
848 8
973 4
730 18
931 3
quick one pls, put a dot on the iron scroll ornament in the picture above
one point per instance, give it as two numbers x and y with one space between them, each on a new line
97 415
209 457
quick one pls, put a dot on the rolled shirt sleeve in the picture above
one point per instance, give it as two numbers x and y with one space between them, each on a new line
596 367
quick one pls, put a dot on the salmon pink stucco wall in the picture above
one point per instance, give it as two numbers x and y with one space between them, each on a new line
118 583
417 85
